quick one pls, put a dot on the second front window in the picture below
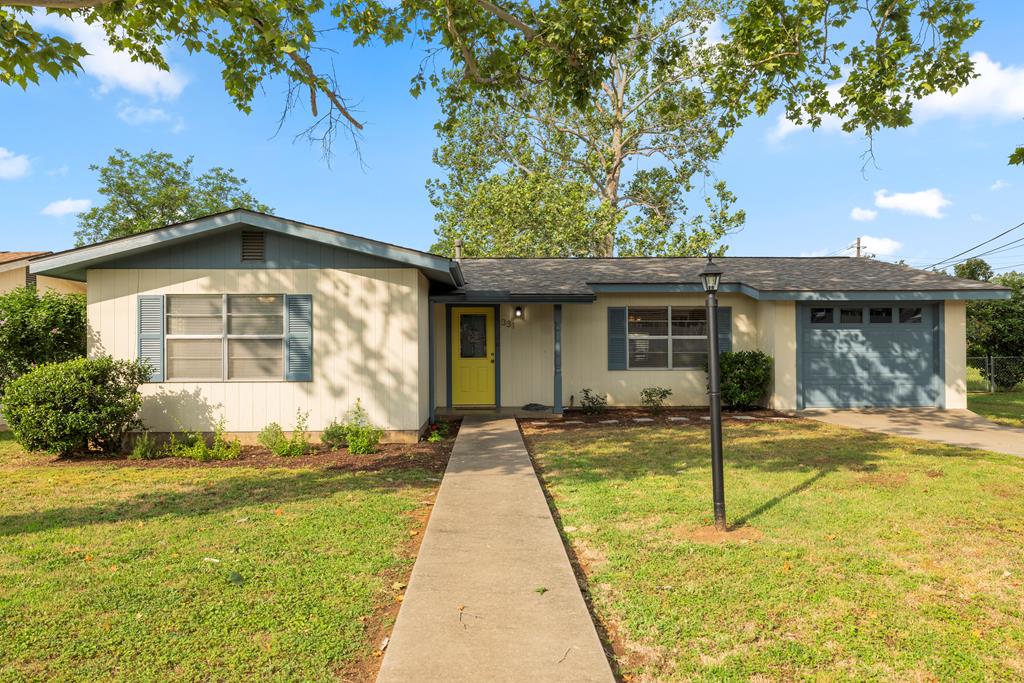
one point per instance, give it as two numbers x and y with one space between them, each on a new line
667 337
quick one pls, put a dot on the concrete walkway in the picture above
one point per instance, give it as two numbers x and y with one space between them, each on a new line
953 427
473 611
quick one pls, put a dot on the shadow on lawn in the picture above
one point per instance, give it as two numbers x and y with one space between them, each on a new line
223 495
796 447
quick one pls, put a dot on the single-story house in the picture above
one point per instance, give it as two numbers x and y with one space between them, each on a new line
14 273
250 318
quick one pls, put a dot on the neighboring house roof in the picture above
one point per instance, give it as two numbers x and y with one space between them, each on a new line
73 263
761 277
10 260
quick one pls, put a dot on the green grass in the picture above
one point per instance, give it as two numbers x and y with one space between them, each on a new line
879 558
158 574
1005 407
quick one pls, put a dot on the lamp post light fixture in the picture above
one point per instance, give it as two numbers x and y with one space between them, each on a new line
711 278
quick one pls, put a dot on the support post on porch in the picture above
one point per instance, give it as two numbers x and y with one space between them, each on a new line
557 407
431 401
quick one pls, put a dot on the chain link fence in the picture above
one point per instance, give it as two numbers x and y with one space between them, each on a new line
995 373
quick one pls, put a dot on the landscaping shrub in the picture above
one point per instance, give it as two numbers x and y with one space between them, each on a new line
145 448
438 432
196 447
591 403
361 436
273 437
76 405
654 397
333 435
38 329
746 377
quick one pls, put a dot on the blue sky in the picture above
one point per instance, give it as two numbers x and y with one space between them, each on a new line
940 186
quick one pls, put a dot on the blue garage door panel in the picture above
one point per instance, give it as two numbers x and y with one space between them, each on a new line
848 361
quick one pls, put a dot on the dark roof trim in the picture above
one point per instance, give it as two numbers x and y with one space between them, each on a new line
817 295
481 297
73 263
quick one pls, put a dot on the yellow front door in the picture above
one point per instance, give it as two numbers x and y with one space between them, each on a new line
473 367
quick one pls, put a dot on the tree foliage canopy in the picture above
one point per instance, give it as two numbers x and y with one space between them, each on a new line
879 56
997 327
152 190
974 269
36 329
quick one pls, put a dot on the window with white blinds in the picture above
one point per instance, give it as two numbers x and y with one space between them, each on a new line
215 337
663 337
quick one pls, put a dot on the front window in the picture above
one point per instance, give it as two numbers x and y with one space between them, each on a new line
664 337
215 337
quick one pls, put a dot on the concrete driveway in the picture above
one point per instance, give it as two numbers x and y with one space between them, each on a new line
953 427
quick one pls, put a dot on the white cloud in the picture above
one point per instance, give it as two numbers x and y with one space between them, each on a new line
12 166
63 207
924 203
134 115
996 92
879 246
114 69
859 214
999 185
61 170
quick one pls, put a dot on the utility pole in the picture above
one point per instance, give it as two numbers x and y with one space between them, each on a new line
858 247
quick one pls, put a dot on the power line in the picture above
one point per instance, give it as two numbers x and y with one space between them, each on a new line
967 251
998 250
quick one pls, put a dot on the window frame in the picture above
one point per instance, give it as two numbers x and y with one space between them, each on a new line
669 337
225 337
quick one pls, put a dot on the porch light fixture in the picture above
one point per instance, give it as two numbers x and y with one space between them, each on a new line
711 277
518 313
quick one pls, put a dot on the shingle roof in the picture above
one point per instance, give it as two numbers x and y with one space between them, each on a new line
783 274
11 256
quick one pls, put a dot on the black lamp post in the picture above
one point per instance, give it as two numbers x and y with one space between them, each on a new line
711 278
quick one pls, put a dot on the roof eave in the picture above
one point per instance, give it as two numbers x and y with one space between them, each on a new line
74 263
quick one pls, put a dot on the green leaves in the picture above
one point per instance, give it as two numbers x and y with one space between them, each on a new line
152 190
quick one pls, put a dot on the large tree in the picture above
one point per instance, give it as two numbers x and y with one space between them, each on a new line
152 190
648 140
887 53
670 99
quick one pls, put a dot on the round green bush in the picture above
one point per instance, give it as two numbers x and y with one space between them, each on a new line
746 378
75 406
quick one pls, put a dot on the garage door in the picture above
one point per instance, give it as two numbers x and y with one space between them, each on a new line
868 355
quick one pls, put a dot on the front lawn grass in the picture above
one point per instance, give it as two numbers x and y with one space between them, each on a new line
115 572
1005 407
855 556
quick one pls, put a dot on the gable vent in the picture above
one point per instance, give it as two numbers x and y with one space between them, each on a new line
30 278
254 245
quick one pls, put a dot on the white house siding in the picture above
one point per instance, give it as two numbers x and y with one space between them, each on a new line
776 336
367 344
585 349
14 278
955 329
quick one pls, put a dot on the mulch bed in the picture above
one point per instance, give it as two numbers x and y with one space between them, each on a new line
432 457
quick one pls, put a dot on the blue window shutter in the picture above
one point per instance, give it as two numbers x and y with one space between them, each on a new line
617 338
724 329
298 338
151 334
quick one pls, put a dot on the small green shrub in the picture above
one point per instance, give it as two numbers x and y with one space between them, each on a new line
361 436
145 448
591 403
333 435
273 437
654 397
746 378
76 405
195 446
438 431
